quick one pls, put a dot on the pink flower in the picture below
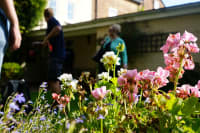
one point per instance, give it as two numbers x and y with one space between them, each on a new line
146 79
198 84
64 100
189 64
189 41
99 93
61 100
161 77
132 97
147 75
186 90
165 48
55 96
195 92
179 48
172 42
188 37
183 91
167 59
192 47
122 81
174 39
131 74
162 72
129 81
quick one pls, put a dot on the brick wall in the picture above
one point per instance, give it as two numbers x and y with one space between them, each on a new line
122 6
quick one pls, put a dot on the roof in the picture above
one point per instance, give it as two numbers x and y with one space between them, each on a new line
163 3
137 1
91 26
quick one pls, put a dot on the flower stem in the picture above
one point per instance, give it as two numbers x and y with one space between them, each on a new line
90 88
68 107
101 119
125 106
114 67
66 117
64 110
141 93
178 75
79 103
101 125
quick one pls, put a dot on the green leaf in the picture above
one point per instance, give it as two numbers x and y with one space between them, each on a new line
177 106
114 81
190 105
170 103
193 123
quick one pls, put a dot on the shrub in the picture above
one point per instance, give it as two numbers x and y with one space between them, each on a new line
12 70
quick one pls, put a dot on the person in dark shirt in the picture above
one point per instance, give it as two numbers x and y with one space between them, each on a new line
55 39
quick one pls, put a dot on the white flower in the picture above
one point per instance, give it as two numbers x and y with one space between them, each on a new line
104 76
65 77
68 82
109 59
122 71
62 87
87 74
74 84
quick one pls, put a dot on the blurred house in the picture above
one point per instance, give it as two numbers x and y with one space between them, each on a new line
76 11
144 33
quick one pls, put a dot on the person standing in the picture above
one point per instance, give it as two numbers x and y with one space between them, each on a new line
110 43
9 28
55 39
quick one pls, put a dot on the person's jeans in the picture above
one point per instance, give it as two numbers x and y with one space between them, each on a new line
4 35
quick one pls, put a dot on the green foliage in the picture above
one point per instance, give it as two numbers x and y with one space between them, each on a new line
190 105
29 13
11 70
107 109
179 115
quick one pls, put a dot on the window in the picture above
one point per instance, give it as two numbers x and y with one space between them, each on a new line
52 4
150 43
70 10
156 4
112 12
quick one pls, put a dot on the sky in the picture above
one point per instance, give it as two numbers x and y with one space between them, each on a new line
178 2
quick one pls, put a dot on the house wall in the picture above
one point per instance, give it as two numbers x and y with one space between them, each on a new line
82 11
165 25
85 45
149 4
140 61
122 7
84 48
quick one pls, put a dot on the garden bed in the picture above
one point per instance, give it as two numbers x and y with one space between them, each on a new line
131 102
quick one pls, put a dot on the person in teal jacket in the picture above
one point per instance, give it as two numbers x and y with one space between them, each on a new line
111 42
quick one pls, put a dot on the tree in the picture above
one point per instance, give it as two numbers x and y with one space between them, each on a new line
29 13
